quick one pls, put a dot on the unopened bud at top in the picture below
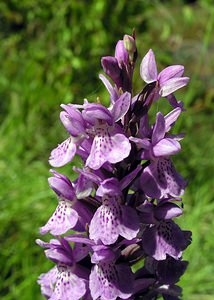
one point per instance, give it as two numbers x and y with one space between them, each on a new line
121 53
129 43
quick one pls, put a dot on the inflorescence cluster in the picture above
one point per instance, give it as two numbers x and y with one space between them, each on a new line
113 228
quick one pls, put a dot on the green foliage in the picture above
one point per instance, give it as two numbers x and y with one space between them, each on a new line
50 54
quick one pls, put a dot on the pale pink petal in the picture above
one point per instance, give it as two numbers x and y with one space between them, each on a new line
129 226
148 68
170 72
173 85
159 128
172 117
167 211
47 282
121 106
113 91
166 147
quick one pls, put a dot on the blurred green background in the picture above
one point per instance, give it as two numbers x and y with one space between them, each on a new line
50 54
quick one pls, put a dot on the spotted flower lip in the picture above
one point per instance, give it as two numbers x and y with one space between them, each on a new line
68 277
109 281
161 180
67 284
165 238
63 154
47 282
111 220
109 145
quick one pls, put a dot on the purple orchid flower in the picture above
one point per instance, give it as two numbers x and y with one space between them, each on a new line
167 81
156 142
98 123
163 237
70 212
109 144
112 218
71 278
159 278
160 178
74 123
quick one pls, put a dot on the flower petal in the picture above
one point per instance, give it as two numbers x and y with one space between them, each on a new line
121 106
109 187
174 103
114 94
170 270
61 186
167 211
148 68
63 154
83 186
112 69
63 219
95 283
72 120
104 254
170 72
130 177
159 128
171 118
173 85
95 111
121 53
141 143
130 224
166 147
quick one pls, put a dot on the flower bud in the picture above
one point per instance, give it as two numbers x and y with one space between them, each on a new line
129 43
121 53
